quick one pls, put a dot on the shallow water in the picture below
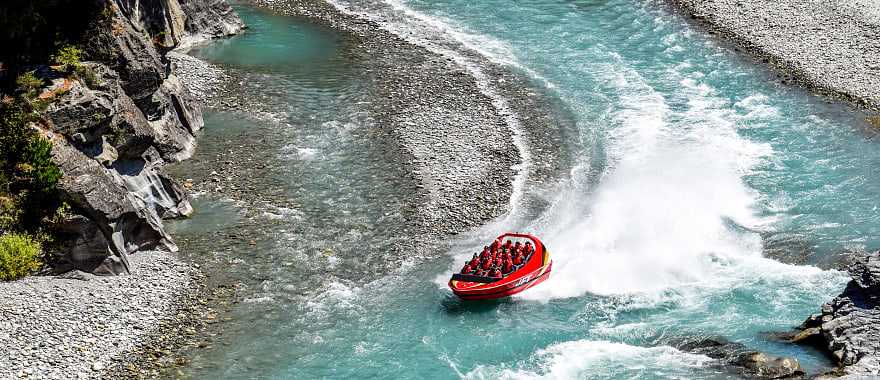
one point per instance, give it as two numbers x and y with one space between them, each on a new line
697 174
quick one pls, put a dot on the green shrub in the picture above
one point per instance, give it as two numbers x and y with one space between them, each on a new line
28 84
37 166
19 256
10 213
68 57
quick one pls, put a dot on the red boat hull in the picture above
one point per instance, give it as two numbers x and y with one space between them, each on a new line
532 273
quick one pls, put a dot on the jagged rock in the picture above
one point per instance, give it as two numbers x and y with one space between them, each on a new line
80 111
771 367
86 249
115 40
849 325
172 22
125 220
738 357
167 110
213 18
118 121
145 180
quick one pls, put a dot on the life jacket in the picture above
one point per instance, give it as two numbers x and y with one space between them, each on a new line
474 262
496 273
517 260
486 264
467 269
508 266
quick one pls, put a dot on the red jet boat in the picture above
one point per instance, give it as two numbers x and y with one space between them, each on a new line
532 272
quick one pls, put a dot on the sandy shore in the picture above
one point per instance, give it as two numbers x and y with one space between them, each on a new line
831 47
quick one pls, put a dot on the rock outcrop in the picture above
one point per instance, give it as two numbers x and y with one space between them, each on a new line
114 128
848 326
737 357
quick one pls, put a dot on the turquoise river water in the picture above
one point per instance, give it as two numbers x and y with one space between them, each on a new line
706 199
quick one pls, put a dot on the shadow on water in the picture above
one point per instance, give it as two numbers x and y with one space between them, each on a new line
453 305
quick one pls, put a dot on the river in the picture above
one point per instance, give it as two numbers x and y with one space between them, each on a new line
706 198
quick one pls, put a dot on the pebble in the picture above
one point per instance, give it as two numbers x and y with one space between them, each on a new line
52 334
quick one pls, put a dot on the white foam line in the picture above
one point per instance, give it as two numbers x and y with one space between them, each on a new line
483 82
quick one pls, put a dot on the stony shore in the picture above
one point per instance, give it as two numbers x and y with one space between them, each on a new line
79 325
831 47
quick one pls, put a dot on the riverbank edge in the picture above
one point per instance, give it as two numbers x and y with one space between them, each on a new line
746 35
710 15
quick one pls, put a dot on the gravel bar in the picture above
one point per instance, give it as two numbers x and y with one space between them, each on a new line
78 326
831 47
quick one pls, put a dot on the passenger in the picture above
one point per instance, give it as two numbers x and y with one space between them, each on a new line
497 262
508 245
508 266
496 273
529 247
486 264
467 269
518 259
474 262
484 255
517 246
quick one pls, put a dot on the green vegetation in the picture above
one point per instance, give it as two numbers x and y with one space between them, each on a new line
28 84
68 57
28 177
19 256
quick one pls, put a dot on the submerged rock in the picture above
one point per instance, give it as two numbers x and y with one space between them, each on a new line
848 326
740 358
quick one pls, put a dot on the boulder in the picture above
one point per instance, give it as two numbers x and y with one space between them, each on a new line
80 111
739 358
848 327
769 367
86 249
115 40
125 220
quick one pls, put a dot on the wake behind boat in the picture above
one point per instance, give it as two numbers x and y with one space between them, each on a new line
513 263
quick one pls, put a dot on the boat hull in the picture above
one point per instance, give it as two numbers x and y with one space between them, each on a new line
534 272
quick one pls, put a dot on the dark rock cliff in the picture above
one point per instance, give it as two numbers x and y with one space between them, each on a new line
114 131
848 326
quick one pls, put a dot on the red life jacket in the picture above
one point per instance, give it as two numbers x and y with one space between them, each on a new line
508 266
467 269
474 262
517 260
486 264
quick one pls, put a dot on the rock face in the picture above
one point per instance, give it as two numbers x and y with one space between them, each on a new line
849 325
114 129
739 358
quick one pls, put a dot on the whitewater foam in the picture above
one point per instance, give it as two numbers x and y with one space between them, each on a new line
593 359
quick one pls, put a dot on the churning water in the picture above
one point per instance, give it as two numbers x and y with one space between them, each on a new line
698 174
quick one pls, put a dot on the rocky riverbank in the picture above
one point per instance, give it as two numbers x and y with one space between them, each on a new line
79 325
831 47
848 327
113 128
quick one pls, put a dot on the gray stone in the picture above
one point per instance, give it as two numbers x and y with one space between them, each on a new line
849 325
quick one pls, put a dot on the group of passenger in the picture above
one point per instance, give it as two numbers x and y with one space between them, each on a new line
499 259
